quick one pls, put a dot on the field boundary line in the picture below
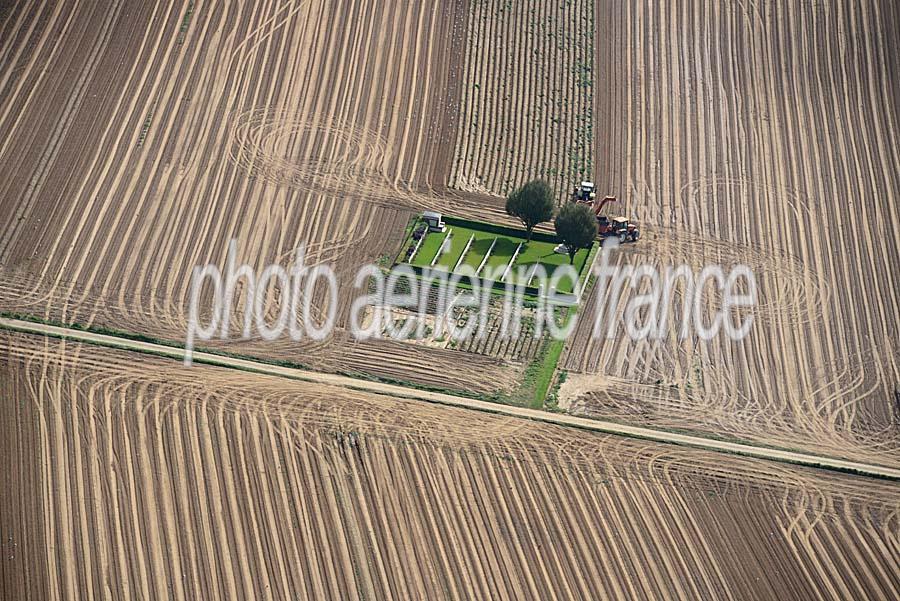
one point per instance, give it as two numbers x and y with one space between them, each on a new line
398 391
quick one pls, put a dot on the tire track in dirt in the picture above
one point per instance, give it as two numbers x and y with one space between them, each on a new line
758 134
337 476
153 192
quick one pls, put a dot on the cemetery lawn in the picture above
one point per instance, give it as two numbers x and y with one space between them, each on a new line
499 249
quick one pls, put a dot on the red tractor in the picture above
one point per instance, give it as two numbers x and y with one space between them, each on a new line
616 226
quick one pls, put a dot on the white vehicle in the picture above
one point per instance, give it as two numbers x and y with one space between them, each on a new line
585 192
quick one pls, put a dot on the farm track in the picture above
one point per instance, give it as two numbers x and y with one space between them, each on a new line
139 142
762 133
526 96
208 482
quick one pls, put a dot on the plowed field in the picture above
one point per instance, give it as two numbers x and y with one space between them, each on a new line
763 133
133 476
136 142
527 93
137 139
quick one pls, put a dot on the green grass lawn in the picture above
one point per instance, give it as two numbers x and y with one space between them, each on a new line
541 372
433 242
543 253
502 253
429 248
461 237
457 244
534 252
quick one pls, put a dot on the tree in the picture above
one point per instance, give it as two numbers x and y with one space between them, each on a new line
576 227
531 204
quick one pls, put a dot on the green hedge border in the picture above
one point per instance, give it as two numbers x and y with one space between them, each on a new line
500 229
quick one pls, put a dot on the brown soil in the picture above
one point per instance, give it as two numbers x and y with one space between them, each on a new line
136 147
527 96
137 139
762 133
161 481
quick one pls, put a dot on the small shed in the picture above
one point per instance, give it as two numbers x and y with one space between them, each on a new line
434 221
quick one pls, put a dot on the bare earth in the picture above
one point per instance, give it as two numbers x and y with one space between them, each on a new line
137 139
763 133
248 126
135 477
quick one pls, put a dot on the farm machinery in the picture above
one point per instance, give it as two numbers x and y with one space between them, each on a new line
626 230
585 192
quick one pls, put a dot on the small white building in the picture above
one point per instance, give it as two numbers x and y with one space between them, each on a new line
435 221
